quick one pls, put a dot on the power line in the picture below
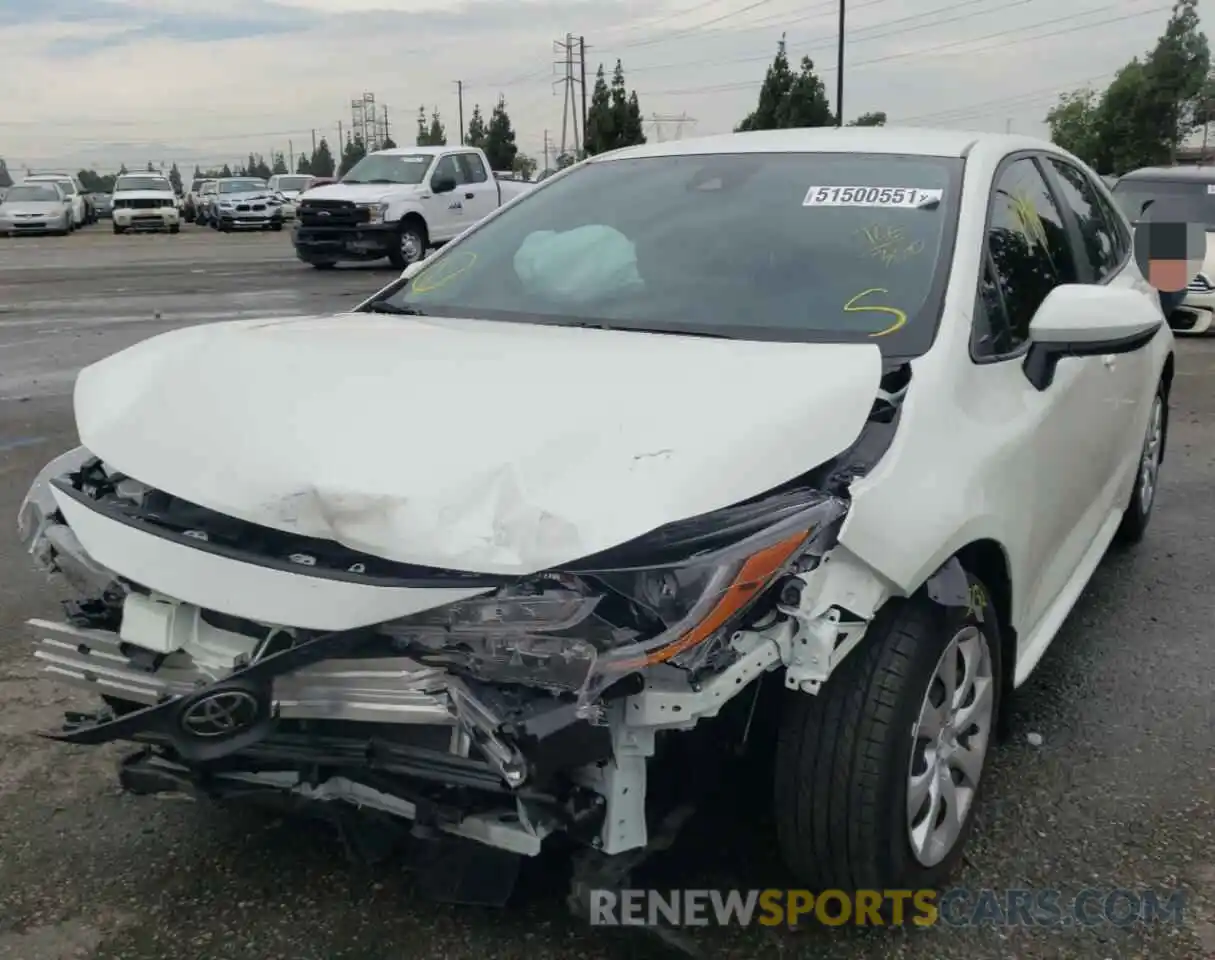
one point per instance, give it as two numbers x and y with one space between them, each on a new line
739 85
984 105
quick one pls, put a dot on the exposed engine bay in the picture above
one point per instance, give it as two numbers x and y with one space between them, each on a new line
501 710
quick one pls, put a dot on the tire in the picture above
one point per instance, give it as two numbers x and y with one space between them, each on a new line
175 228
844 756
322 264
118 229
1138 513
412 233
276 227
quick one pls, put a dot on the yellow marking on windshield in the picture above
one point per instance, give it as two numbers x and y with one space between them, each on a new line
424 282
900 318
889 244
1027 215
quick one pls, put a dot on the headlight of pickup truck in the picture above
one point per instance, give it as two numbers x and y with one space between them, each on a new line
375 211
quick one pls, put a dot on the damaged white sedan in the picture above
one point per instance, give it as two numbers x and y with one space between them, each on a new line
833 422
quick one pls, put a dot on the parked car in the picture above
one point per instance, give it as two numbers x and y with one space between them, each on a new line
145 201
245 203
104 204
190 204
1194 187
562 626
290 186
205 201
397 204
81 213
39 207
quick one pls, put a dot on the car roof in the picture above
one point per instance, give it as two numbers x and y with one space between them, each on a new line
912 141
50 176
1177 174
414 151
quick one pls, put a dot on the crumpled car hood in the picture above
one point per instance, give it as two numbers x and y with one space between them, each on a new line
491 447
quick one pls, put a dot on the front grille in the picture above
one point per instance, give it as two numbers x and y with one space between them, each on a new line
330 213
140 203
1200 285
247 207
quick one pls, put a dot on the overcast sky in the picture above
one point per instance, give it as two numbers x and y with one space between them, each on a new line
92 83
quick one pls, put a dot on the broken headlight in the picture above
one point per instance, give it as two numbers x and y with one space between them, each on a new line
576 633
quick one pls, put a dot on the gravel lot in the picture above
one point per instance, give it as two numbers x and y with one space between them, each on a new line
1120 792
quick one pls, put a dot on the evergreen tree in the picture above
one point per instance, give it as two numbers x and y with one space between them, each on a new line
499 145
354 152
875 119
619 104
303 165
322 163
224 173
280 165
634 130
423 128
600 126
778 81
436 136
6 178
476 128
175 178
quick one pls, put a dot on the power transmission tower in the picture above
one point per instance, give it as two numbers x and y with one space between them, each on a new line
660 121
569 111
368 122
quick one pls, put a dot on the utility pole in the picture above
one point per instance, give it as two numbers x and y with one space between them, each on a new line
569 110
546 166
290 156
460 100
313 141
839 79
387 131
582 81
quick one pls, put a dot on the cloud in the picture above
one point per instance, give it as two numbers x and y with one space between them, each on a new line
109 81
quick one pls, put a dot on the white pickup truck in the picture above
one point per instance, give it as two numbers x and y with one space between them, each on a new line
398 204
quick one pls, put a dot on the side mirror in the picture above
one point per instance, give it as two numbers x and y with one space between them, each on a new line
1082 320
443 184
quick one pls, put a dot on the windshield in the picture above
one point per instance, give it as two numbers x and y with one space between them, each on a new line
143 183
795 247
196 185
292 183
242 186
1199 197
66 184
31 192
389 168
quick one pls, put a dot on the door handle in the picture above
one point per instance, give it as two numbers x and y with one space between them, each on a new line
1110 361
468 196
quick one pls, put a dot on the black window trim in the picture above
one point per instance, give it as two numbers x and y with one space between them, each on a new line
1077 235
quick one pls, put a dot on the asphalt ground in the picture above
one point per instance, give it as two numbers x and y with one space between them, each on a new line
1107 781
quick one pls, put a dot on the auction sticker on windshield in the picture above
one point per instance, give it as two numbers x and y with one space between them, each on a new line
907 197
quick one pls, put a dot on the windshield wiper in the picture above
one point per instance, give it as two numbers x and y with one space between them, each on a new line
381 181
352 181
384 306
587 325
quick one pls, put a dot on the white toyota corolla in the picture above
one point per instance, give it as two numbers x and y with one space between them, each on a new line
830 427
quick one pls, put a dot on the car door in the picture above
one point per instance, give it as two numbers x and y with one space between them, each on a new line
1104 242
1062 439
479 190
445 211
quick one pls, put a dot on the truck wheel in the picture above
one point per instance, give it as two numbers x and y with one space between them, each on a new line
411 243
877 775
175 228
118 229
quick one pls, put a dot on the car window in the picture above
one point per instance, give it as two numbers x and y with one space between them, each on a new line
809 247
447 167
407 169
472 169
31 192
1097 234
143 183
1027 243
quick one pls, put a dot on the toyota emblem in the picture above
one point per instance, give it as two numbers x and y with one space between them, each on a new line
221 714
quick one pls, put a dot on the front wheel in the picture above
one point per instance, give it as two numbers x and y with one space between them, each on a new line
878 774
410 246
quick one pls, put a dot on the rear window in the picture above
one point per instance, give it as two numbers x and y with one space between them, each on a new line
1198 196
142 183
796 247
